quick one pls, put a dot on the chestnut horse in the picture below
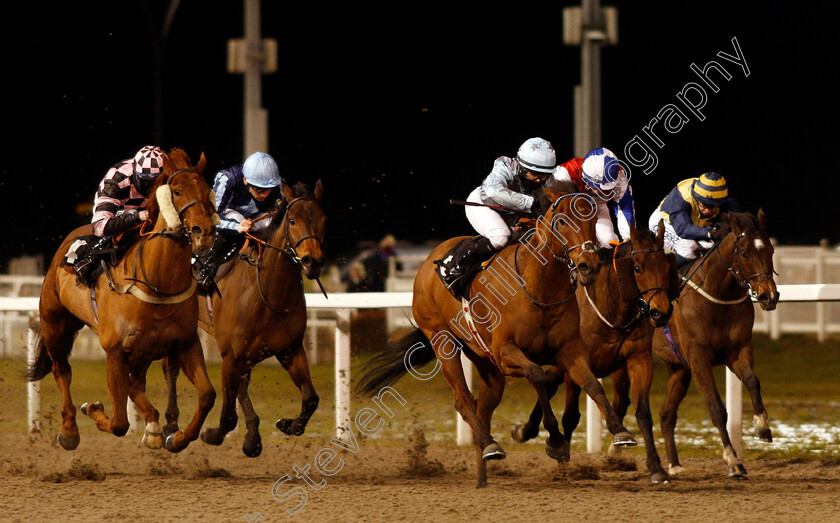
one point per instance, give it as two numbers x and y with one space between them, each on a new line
639 281
712 325
533 333
262 313
143 309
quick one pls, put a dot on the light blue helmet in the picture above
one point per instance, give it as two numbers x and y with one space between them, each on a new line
260 170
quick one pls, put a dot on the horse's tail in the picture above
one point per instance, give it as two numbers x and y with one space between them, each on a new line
385 368
43 364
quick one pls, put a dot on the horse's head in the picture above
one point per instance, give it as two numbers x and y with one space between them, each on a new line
647 273
568 226
752 256
183 201
302 227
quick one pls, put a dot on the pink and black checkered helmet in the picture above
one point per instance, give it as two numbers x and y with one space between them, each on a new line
148 162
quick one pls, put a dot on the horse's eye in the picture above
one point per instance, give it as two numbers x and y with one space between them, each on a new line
562 222
637 268
176 192
291 221
743 254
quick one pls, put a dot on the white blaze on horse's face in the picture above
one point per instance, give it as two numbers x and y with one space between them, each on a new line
758 244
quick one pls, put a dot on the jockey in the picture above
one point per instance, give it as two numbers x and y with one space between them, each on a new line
599 174
244 193
121 202
513 184
690 211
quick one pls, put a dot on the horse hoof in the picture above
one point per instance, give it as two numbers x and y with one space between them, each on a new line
660 478
674 471
493 451
289 427
736 471
212 436
561 453
252 448
170 428
68 442
152 436
86 407
764 435
169 444
518 434
624 439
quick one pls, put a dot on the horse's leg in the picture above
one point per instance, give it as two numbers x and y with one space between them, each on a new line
192 361
574 358
296 364
705 380
621 401
171 370
531 428
153 433
571 412
117 371
679 378
515 363
491 389
252 446
640 373
232 371
58 332
742 366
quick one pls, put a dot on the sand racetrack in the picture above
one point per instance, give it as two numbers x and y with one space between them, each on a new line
110 478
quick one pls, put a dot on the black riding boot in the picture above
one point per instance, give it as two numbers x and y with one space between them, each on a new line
455 272
86 265
204 268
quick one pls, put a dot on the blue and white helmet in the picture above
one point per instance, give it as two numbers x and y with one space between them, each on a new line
601 170
260 170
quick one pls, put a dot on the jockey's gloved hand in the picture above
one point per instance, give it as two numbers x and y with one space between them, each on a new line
717 232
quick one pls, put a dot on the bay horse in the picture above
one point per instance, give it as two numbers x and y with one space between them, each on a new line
532 331
262 313
712 325
143 309
637 280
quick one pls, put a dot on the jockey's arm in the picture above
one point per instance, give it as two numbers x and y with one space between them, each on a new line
625 213
228 222
108 202
496 188
604 226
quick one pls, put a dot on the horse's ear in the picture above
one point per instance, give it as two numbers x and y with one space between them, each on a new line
202 163
734 223
551 194
634 234
319 190
288 192
762 220
660 233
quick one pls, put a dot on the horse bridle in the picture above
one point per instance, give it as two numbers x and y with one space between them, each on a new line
644 305
288 249
177 235
744 281
586 247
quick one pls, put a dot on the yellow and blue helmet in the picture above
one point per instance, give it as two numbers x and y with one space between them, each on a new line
710 189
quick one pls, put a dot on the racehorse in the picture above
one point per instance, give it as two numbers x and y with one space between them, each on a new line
637 280
535 324
143 309
262 313
712 325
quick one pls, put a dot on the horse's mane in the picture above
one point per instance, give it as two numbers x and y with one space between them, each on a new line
300 190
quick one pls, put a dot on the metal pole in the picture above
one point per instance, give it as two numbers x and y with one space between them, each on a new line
255 117
342 371
464 431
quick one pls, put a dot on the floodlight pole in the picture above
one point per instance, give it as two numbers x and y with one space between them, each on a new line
255 124
590 76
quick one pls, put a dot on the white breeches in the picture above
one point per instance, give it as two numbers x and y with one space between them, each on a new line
673 243
488 222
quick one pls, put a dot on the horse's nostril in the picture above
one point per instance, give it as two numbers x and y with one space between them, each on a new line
197 231
764 297
584 268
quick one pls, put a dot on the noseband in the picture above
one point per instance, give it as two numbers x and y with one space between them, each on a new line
737 273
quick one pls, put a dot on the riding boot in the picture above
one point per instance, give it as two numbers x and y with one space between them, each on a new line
86 265
456 271
205 267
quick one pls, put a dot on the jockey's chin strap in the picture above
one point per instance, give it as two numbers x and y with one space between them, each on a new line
289 248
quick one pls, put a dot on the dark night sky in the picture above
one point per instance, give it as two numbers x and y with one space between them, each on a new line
397 111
